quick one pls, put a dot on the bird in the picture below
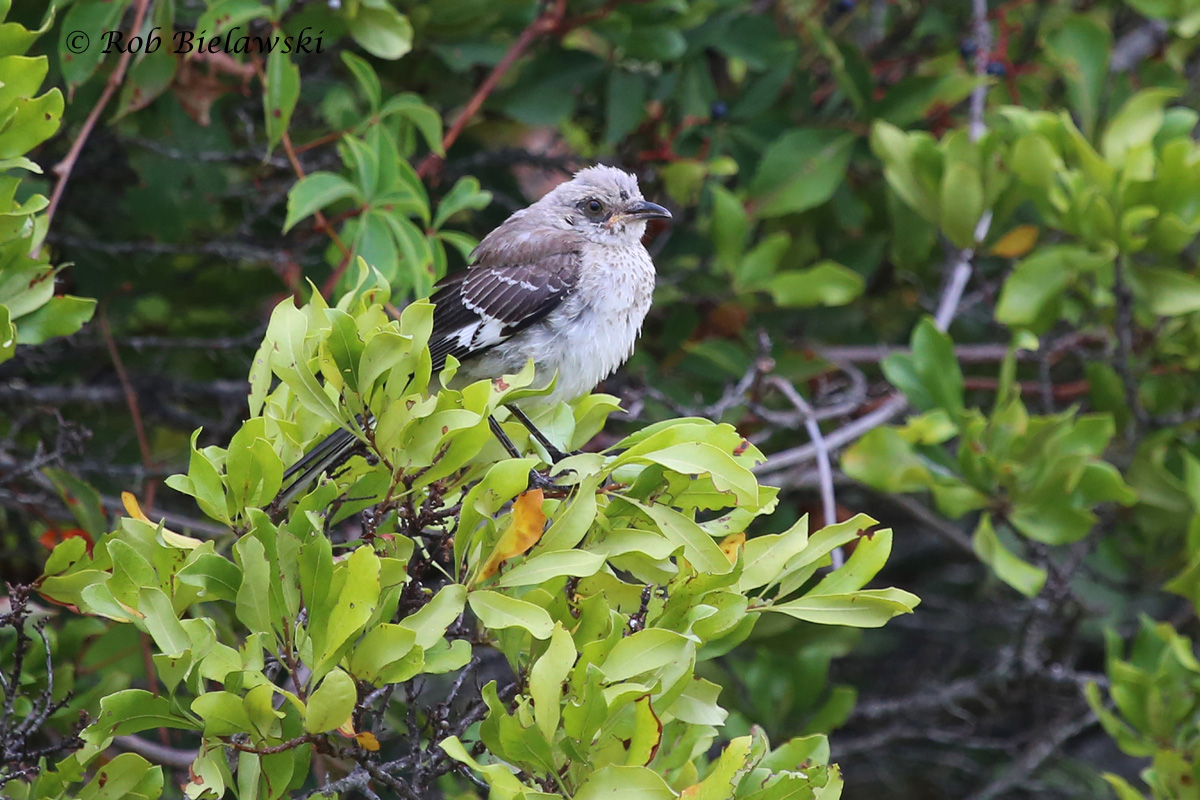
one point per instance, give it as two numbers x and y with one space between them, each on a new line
565 282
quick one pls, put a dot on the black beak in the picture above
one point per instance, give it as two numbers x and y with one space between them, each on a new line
644 209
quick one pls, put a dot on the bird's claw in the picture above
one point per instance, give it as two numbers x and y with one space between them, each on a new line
539 481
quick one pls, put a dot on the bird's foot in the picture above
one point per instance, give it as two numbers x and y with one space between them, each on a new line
539 481
557 455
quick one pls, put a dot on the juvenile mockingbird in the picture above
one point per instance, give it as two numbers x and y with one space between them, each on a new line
565 282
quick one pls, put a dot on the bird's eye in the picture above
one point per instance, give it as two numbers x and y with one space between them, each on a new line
593 207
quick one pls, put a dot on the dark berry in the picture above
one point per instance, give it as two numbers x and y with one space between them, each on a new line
843 6
967 49
996 69
719 110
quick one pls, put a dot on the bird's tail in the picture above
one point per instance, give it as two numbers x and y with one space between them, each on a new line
333 450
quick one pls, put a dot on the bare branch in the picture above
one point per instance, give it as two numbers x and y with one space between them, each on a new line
960 269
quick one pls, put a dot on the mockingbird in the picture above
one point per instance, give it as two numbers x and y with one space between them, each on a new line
565 282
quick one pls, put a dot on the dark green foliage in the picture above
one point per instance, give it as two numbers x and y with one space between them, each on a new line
955 238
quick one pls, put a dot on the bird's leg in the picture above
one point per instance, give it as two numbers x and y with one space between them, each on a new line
536 479
555 454
502 437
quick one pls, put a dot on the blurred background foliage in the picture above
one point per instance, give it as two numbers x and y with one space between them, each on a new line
959 237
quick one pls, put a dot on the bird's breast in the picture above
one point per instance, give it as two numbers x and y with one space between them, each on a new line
595 330
589 335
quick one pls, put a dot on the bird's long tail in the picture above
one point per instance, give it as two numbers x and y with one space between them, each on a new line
333 450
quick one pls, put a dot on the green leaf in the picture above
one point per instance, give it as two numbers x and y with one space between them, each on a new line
756 267
570 526
1036 162
1169 292
224 714
698 546
1135 124
1009 567
332 703
214 576
429 623
884 460
379 655
204 483
626 97
801 170
645 651
548 566
699 458
464 195
60 316
446 657
133 711
126 776
224 15
871 608
1081 48
253 605
423 118
905 174
161 623
730 226
355 605
498 776
92 17
930 377
287 330
697 705
314 192
1040 278
828 283
961 203
8 335
364 73
282 90
1051 520
722 779
615 782
147 79
498 611
546 679
870 554
381 30
764 557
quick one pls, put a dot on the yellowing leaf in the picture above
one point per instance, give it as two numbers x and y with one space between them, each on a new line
171 538
647 734
733 544
132 508
528 523
366 740
1017 242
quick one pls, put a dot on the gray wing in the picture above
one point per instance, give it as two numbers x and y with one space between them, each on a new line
508 288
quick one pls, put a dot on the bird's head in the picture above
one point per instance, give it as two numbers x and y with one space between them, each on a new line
604 204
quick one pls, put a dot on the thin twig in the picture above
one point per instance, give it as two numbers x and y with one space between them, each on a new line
64 168
131 400
1124 361
960 274
824 468
547 21
874 353
1036 755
